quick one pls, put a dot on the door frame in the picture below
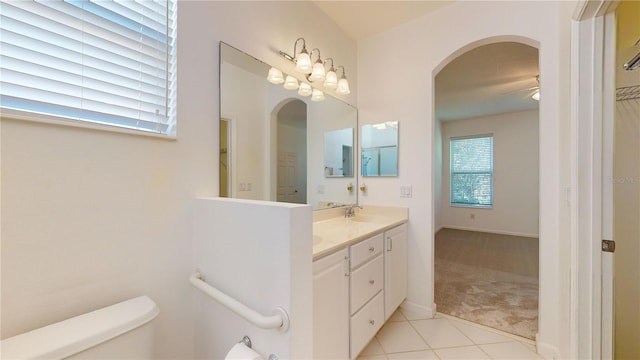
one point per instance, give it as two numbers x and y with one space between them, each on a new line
591 123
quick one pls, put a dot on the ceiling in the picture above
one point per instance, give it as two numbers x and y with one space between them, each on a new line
488 80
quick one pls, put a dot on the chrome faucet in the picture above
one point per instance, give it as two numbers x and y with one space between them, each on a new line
350 211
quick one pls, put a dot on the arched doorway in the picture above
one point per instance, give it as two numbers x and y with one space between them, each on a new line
290 161
486 197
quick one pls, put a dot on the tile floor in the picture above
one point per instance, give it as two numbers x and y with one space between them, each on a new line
410 336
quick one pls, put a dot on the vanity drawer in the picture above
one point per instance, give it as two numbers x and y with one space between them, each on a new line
366 323
366 249
366 282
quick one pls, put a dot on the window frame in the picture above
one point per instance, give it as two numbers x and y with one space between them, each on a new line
36 116
490 173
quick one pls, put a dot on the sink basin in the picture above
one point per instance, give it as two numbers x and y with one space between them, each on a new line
366 218
317 239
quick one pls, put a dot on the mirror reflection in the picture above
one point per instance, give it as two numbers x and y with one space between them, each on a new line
380 149
338 153
273 141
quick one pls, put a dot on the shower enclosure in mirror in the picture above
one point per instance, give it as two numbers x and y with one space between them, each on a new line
338 153
379 149
276 145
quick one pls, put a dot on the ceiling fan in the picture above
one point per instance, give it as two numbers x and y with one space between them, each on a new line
534 91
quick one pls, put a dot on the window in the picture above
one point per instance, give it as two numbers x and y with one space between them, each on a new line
472 171
104 62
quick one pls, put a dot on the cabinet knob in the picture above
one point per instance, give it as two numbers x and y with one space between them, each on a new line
372 322
371 249
372 282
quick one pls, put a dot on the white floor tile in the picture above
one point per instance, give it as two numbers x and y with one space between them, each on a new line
461 353
413 315
397 316
372 357
413 355
509 351
373 348
400 337
479 335
440 333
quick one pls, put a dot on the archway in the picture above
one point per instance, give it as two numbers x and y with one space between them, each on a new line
496 78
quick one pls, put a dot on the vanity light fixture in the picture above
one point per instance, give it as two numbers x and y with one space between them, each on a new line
275 76
302 60
317 72
343 84
331 78
317 95
304 89
291 83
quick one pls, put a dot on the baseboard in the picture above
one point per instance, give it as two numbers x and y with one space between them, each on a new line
547 351
427 311
512 233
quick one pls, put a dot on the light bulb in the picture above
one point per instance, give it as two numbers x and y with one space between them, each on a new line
536 96
304 89
317 95
331 80
303 62
291 83
275 76
343 86
317 73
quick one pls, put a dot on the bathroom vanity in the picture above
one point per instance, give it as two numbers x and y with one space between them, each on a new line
359 278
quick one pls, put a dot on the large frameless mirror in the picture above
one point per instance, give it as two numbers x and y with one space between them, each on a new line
273 141
379 150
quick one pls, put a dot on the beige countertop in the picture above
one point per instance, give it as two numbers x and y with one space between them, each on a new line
332 231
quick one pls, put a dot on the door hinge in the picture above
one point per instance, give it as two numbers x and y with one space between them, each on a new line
608 246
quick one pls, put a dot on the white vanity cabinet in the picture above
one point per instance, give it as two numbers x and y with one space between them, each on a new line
395 264
331 306
355 290
367 299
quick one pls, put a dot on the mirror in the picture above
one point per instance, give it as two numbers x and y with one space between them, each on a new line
380 149
276 145
338 153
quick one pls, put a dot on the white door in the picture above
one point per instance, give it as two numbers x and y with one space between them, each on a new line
395 265
331 306
626 228
287 177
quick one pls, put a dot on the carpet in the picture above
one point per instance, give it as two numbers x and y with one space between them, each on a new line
497 299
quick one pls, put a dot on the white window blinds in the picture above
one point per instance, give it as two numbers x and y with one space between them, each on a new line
101 61
471 163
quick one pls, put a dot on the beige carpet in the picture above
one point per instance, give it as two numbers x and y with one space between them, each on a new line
503 300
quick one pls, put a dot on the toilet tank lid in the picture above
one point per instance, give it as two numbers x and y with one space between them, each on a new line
79 333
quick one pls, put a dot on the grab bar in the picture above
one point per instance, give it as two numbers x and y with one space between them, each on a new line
280 319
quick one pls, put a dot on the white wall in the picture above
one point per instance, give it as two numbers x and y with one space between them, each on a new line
403 90
245 109
515 181
90 217
264 266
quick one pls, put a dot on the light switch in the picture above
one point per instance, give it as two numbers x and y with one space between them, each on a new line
405 191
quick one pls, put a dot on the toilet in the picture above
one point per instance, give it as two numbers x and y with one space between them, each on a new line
120 331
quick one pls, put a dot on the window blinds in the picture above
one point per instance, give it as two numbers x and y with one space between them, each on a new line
471 162
107 62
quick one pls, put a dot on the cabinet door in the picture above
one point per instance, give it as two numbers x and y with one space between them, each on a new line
395 265
331 306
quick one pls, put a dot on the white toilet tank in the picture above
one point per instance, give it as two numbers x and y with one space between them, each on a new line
120 331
